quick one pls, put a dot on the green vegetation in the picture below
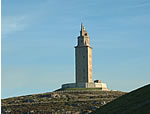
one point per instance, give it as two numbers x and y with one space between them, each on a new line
60 101
135 102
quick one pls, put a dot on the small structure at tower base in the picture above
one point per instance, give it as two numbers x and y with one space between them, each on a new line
95 84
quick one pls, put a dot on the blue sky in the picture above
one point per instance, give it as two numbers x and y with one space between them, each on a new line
38 39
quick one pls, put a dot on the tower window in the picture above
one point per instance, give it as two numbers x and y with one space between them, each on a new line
85 34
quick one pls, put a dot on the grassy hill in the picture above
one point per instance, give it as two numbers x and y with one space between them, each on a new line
135 102
61 101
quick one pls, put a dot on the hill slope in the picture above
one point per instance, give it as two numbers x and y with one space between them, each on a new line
135 102
64 101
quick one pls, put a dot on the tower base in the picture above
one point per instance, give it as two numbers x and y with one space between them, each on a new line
99 85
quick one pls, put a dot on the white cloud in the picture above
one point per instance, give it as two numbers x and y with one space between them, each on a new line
11 24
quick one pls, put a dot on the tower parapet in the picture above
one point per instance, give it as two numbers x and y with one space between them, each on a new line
83 39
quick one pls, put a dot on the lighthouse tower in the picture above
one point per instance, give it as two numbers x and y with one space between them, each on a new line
83 59
83 65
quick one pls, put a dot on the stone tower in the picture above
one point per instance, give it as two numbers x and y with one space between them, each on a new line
83 59
83 63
